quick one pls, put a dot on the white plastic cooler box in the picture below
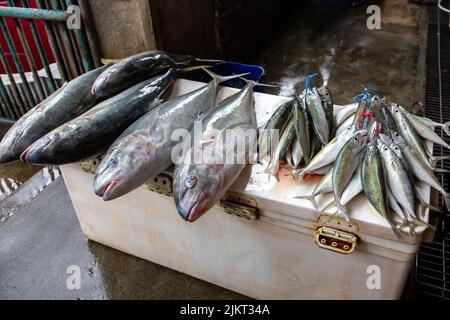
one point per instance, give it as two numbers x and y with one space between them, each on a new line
259 241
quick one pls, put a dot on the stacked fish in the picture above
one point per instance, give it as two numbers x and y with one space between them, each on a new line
381 152
118 109
298 129
83 117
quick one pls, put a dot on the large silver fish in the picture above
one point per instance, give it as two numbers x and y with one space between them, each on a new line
132 70
91 133
144 150
68 102
198 185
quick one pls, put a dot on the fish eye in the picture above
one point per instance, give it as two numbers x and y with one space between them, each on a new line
56 135
385 148
355 138
191 181
114 161
396 148
396 110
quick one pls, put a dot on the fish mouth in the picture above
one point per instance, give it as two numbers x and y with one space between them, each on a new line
33 154
24 155
106 190
195 211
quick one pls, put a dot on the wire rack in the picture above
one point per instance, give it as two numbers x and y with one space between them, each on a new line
432 269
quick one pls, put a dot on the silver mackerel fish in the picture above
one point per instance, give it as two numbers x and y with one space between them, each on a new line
198 185
91 133
144 150
68 102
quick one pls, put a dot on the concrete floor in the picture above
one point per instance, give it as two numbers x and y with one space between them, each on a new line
41 240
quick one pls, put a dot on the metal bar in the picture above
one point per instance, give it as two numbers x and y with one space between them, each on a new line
66 43
72 42
6 101
18 105
40 89
61 45
55 48
90 31
36 14
15 56
44 60
83 44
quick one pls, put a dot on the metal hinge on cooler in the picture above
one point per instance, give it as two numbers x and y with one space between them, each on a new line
239 205
233 203
161 184
90 166
332 237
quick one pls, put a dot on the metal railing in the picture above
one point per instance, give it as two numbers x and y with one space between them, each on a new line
23 85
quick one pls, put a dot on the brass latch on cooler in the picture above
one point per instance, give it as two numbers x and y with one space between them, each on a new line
239 205
331 238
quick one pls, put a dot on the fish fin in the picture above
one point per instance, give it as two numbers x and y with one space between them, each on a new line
446 128
218 78
311 198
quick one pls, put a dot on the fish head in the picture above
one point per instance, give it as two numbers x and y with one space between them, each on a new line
396 110
43 150
9 146
196 189
397 138
102 85
385 138
121 171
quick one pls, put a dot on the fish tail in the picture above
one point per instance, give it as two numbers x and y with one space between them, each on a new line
273 169
311 198
257 84
219 79
446 197
343 210
106 61
439 170
395 230
299 174
435 159
193 68
446 128
417 222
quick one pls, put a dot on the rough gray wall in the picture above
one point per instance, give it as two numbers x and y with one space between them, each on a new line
123 27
